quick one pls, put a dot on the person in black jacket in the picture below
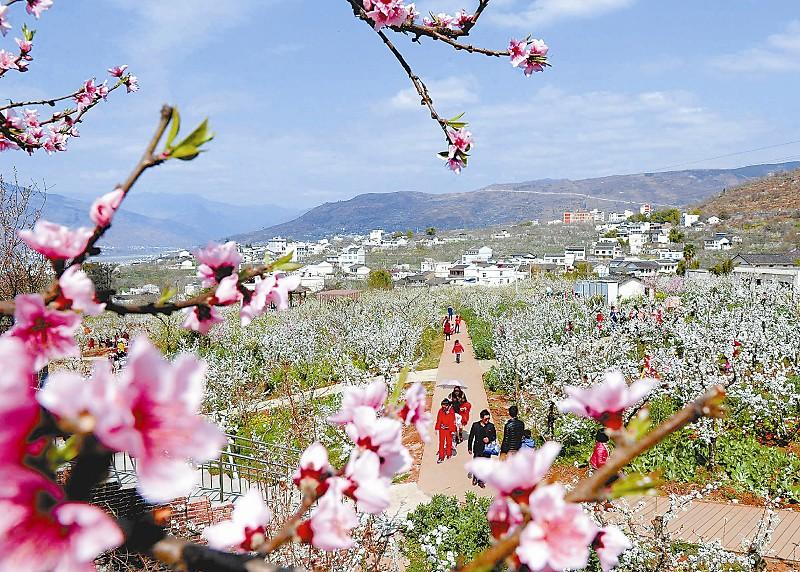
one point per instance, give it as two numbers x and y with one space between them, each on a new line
512 433
481 434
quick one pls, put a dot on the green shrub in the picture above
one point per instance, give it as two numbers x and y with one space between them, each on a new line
757 468
678 456
445 532
495 381
430 348
481 333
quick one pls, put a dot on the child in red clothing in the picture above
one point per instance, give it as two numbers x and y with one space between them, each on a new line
445 426
458 349
448 330
600 453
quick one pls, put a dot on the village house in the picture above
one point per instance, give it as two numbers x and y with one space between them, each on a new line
477 254
720 241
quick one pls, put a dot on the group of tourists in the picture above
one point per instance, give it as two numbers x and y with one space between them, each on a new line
451 324
453 417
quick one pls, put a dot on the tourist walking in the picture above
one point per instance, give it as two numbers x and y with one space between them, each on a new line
457 400
450 312
481 434
445 426
458 324
512 433
458 349
448 330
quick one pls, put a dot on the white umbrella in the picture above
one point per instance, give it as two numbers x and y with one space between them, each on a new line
451 383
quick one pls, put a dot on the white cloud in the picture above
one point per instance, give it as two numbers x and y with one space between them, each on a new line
598 133
449 91
168 30
540 13
778 53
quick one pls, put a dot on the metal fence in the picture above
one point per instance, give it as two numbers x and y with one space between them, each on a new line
243 464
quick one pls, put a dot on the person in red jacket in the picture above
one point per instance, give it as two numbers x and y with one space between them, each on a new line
445 426
448 330
458 349
600 453
458 324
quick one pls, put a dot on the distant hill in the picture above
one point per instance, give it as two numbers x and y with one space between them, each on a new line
149 220
511 202
770 198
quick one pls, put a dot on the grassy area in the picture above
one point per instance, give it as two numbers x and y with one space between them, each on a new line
430 348
481 333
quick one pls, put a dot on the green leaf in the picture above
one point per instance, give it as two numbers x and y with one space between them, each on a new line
174 127
184 152
636 484
639 425
456 118
285 263
199 136
167 294
457 124
27 33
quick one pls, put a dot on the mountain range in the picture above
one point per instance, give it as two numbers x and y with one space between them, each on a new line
148 220
511 202
770 198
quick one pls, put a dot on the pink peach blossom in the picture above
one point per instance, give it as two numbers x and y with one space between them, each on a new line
56 241
46 333
78 403
517 51
216 262
18 408
55 142
227 291
605 402
503 515
36 7
372 395
246 528
67 537
519 474
103 208
131 83
609 544
415 410
462 19
118 71
330 525
369 489
313 469
271 290
386 12
455 164
5 26
461 139
78 289
201 319
8 61
559 535
154 418
382 436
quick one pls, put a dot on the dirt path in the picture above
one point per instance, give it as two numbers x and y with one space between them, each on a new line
450 477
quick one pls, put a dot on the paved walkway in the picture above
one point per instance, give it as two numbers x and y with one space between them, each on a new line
728 523
450 478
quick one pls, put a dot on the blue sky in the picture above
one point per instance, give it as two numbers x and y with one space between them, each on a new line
309 106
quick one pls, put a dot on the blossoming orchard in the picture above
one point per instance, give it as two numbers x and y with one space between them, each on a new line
691 378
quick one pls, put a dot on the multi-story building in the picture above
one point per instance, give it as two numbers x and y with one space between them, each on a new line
477 254
577 217
607 249
720 241
352 255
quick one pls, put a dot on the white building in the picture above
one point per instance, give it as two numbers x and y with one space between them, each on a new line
439 269
277 245
607 249
376 236
688 219
577 253
486 274
476 254
675 255
719 242
557 258
612 290
502 234
636 242
352 255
